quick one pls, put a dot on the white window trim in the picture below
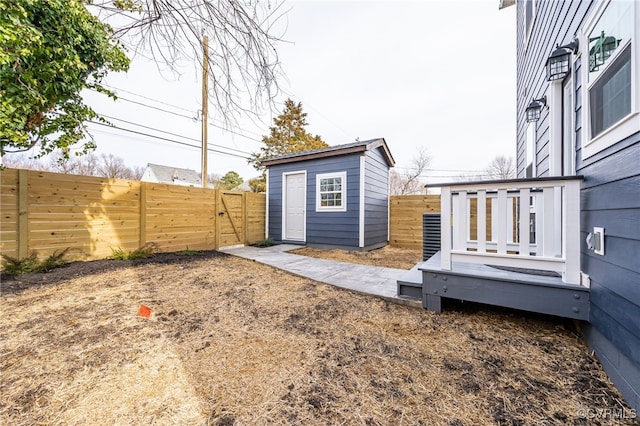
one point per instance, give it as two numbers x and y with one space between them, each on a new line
568 165
343 207
266 213
627 125
556 99
363 164
531 147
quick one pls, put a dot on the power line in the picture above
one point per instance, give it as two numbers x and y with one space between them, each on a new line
148 98
443 170
176 107
168 140
189 117
172 134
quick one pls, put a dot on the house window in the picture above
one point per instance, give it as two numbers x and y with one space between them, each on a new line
611 102
331 192
529 11
610 96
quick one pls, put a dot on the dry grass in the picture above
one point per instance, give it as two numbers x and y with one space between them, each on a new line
234 342
391 257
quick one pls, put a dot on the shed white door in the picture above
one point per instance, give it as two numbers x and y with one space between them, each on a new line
293 217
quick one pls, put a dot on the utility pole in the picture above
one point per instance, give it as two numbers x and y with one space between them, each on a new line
205 106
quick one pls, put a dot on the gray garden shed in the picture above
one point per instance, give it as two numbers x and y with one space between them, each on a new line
335 197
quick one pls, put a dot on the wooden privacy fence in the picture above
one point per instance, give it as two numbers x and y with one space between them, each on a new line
46 212
49 212
405 218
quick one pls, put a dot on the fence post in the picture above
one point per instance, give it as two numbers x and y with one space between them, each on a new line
216 218
143 214
245 219
23 213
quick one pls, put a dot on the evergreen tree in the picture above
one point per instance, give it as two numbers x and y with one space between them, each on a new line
229 181
288 135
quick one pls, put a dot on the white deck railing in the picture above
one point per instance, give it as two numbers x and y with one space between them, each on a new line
532 224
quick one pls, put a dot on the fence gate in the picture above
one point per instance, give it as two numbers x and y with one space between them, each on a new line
230 223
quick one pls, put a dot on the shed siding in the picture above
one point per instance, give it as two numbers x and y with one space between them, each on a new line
338 229
334 228
610 198
376 199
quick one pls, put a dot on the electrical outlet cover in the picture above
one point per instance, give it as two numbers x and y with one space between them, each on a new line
598 234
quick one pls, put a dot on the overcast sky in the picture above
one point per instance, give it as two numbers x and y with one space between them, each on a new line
433 74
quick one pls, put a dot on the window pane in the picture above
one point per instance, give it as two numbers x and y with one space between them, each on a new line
612 30
330 191
528 16
610 97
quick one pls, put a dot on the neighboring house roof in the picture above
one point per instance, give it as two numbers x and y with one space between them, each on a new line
331 151
505 3
168 174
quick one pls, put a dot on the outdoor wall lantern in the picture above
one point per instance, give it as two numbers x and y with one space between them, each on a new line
534 109
558 62
602 49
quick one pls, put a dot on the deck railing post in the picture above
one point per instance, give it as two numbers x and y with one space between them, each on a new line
549 242
571 232
461 221
482 221
445 228
501 230
523 236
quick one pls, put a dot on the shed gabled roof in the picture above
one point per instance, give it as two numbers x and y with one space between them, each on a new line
332 151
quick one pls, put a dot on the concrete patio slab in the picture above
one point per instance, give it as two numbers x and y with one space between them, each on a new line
373 280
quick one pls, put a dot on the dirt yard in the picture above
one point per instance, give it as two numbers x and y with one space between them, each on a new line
391 257
231 341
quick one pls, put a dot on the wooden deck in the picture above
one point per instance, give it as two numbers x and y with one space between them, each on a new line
492 286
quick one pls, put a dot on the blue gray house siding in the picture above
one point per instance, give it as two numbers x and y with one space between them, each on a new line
333 228
337 229
610 198
376 199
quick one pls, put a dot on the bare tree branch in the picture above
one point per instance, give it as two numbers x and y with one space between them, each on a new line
243 61
409 182
501 167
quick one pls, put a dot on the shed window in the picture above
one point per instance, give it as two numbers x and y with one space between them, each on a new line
331 190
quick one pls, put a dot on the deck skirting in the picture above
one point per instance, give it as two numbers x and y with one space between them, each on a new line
492 286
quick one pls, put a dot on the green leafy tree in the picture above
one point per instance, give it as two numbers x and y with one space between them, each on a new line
288 135
229 181
49 51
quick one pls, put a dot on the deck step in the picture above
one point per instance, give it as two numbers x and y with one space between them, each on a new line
492 286
410 284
